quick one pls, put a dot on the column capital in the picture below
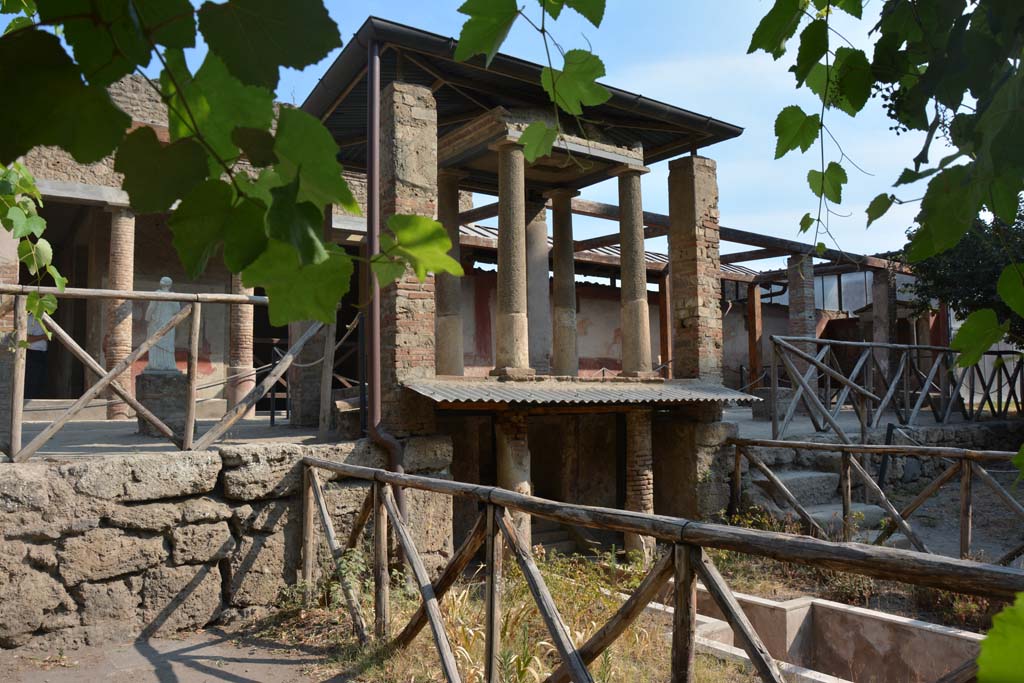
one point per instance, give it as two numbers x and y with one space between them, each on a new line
560 192
119 211
628 169
505 144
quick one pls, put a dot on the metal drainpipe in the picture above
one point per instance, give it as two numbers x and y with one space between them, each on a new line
392 447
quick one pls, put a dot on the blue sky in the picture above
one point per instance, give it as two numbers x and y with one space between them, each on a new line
693 55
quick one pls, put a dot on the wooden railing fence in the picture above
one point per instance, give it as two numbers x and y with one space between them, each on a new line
964 463
686 561
191 311
882 380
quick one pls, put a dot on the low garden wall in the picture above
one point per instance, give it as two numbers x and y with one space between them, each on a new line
110 547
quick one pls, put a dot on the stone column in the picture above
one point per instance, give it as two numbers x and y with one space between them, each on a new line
538 288
513 456
695 269
117 340
639 476
449 355
512 348
565 357
634 316
240 382
803 316
408 185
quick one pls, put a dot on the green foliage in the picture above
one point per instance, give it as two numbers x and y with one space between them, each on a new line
946 212
538 140
830 183
776 28
155 175
981 330
966 277
1000 658
592 10
256 37
308 152
575 86
419 241
878 207
813 46
296 291
19 203
488 24
795 129
1011 287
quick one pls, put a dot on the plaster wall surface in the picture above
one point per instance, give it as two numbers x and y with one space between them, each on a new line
110 547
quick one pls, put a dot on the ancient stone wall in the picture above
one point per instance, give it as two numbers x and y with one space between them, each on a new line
692 464
109 547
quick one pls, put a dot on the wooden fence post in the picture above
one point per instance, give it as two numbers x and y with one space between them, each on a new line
684 618
381 578
492 638
18 372
193 376
773 393
966 508
308 527
846 490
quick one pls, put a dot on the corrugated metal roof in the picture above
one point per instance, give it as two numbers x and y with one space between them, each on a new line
490 233
545 391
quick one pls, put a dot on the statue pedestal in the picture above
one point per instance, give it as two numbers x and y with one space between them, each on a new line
165 394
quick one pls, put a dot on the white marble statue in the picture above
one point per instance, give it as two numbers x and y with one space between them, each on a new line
161 354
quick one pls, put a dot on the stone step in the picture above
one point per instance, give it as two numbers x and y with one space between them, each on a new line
562 547
897 540
830 515
550 536
539 524
809 487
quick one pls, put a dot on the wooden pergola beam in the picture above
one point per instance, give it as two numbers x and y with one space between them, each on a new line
752 255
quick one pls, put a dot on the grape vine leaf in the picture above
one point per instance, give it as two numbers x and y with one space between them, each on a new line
1011 287
806 222
306 150
878 206
813 46
300 292
209 215
776 27
854 78
156 175
299 224
486 29
257 145
980 331
537 140
949 205
213 103
422 242
35 255
82 120
591 10
794 129
1000 657
576 86
256 37
830 183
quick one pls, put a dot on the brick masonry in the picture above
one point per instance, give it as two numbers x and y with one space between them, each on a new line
117 342
408 186
803 317
694 261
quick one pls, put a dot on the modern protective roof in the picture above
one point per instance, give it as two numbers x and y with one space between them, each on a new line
455 392
464 90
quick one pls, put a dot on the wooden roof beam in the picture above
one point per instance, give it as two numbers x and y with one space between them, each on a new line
752 255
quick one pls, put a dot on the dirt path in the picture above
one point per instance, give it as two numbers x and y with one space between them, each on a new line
202 657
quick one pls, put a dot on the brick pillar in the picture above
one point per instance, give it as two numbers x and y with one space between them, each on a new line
803 316
634 314
694 269
117 341
538 288
513 459
8 275
512 348
883 320
564 355
408 185
449 353
639 476
239 347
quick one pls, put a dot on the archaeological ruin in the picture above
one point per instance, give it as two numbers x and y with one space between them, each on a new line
639 390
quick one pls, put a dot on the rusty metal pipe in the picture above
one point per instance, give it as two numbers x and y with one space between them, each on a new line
378 435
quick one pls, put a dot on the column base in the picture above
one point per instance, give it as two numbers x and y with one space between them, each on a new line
513 373
640 374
